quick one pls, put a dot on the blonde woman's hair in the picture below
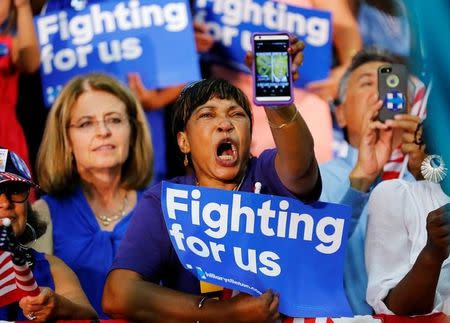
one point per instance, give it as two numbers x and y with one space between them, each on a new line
56 170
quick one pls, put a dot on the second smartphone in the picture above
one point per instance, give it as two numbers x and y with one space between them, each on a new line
392 88
272 77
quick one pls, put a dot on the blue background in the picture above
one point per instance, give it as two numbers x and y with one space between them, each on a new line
168 58
316 62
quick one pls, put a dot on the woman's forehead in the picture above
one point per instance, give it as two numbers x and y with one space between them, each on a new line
97 102
216 102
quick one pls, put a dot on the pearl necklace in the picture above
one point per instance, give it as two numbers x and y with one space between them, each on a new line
107 220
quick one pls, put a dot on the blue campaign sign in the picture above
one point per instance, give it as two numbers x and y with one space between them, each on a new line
252 242
151 37
232 22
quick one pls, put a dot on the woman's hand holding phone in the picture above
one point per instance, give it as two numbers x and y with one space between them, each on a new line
275 60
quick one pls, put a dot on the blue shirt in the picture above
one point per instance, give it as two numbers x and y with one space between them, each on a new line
337 189
80 242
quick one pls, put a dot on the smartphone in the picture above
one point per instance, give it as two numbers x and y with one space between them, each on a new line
272 77
392 90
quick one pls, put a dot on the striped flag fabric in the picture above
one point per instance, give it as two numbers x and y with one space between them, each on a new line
15 281
16 278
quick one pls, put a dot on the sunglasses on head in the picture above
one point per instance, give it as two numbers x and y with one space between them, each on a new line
16 192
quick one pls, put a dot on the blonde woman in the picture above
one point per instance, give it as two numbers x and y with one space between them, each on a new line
94 161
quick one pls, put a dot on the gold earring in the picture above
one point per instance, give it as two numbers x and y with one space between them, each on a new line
186 161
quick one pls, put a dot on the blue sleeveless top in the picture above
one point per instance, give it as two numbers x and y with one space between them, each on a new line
80 242
43 277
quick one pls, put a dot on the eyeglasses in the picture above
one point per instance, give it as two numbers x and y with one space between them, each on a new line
90 124
16 192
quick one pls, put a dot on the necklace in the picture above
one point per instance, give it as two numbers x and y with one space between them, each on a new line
107 220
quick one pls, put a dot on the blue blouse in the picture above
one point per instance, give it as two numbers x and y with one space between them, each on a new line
80 242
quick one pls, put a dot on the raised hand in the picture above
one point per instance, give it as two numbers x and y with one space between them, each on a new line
328 89
411 140
375 147
21 3
138 88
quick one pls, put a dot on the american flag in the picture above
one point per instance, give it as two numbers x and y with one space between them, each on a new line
16 278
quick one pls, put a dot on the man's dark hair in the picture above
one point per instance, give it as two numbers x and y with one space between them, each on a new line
366 55
198 93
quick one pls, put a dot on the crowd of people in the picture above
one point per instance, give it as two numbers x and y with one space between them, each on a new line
88 220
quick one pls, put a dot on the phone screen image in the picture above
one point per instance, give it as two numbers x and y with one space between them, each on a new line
272 69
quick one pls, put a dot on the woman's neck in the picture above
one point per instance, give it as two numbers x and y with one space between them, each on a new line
101 186
233 185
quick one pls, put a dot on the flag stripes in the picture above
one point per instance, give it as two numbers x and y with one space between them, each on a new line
15 281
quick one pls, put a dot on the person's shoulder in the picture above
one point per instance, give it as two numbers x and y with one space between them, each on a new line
54 261
265 159
77 193
394 187
155 189
400 192
266 154
399 187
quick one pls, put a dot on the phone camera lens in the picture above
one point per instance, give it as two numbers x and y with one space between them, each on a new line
392 80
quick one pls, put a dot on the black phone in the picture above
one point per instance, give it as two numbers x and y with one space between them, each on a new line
392 90
272 77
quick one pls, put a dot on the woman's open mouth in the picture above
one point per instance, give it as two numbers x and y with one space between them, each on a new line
227 152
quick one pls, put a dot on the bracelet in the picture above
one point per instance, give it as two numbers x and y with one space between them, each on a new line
202 301
276 126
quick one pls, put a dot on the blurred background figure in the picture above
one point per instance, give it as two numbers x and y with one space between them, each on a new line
158 106
346 41
19 53
383 23
94 164
60 295
407 247
373 152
